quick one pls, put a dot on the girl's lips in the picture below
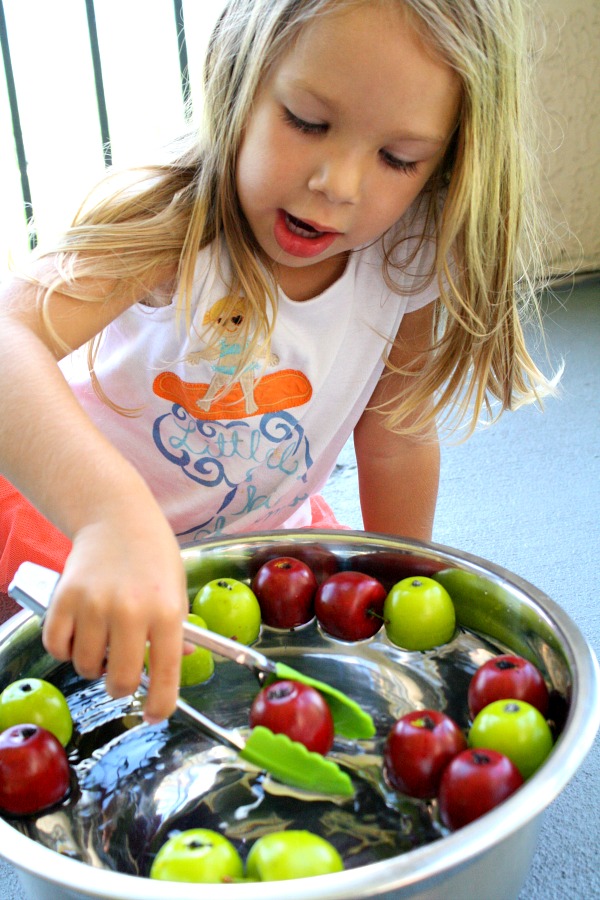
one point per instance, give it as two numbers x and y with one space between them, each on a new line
301 237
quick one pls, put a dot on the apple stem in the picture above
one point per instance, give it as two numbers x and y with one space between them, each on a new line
425 722
279 691
28 731
199 845
480 758
375 615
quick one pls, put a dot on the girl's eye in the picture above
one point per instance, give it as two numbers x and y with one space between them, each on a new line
302 125
393 162
400 165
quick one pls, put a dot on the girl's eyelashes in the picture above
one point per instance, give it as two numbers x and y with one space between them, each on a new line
400 165
302 125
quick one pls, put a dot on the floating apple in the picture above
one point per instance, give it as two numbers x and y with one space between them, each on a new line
34 769
473 783
320 561
229 607
295 709
418 748
516 729
419 614
282 855
197 666
197 855
507 677
285 589
33 700
349 605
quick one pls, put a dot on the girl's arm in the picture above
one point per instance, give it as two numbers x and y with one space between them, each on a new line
398 474
123 583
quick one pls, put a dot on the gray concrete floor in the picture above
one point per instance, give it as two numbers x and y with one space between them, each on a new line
525 494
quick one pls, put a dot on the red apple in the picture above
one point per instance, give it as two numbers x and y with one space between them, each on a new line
34 770
349 605
418 748
285 589
507 677
473 783
295 709
320 561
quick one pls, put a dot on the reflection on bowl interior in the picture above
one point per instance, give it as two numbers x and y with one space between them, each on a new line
136 784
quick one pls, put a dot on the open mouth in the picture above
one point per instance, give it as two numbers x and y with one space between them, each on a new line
301 228
301 238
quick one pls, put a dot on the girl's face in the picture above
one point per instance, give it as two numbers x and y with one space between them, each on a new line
344 133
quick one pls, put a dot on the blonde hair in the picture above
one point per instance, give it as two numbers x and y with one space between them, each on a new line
481 204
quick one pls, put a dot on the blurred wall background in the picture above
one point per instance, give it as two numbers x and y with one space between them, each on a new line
569 86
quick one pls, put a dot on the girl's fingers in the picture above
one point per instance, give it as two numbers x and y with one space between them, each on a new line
69 635
165 672
119 654
89 653
57 636
90 643
59 631
124 663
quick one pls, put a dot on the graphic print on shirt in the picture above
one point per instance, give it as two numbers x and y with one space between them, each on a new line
228 438
250 395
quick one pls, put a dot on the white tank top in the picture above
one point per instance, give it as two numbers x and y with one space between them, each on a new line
251 459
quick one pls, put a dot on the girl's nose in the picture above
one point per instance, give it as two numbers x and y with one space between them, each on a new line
338 179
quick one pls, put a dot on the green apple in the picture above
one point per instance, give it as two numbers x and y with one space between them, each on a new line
197 666
419 614
229 607
282 855
198 855
515 728
34 701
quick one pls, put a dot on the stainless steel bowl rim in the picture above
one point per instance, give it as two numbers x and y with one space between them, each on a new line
421 863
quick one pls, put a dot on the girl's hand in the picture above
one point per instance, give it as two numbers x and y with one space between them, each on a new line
123 586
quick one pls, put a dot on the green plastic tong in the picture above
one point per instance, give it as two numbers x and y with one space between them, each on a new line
287 760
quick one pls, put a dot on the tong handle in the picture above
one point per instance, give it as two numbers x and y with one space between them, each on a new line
32 587
223 646
225 735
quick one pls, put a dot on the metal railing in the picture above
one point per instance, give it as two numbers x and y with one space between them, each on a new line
103 118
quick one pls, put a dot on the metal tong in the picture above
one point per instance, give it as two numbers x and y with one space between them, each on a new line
287 760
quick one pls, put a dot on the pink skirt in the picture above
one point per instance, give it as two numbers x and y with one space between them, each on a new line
322 515
26 535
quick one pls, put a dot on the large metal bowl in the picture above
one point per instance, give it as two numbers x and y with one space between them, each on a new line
496 610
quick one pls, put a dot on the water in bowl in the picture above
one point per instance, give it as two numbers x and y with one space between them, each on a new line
134 785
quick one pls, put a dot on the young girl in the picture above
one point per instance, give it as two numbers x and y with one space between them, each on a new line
345 249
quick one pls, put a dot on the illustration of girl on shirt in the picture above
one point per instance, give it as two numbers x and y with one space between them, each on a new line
226 354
